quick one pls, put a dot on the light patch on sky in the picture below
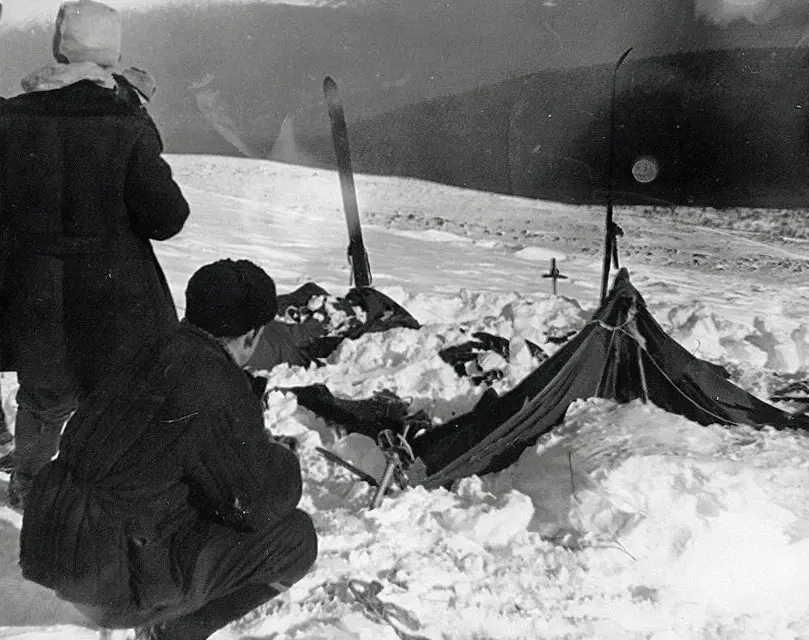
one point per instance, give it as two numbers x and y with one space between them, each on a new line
726 11
18 12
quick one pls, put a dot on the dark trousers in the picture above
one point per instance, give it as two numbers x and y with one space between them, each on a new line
41 415
235 573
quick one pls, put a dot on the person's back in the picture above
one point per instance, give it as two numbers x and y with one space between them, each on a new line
79 205
169 501
83 190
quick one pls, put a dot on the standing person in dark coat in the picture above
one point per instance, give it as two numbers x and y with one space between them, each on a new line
170 507
83 190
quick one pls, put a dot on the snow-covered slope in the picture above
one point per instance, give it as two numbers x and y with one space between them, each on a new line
625 523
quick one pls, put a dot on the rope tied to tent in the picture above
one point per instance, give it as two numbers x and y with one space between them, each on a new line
630 329
719 419
630 321
640 342
509 435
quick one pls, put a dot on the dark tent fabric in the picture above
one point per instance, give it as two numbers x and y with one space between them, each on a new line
382 313
304 336
621 354
385 410
461 355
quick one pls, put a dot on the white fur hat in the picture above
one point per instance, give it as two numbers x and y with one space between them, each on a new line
87 31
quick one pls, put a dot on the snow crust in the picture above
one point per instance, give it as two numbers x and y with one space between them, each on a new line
625 523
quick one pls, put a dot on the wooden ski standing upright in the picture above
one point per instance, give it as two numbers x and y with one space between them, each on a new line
357 256
610 244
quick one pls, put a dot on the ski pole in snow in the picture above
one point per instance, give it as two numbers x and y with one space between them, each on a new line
611 229
357 256
555 274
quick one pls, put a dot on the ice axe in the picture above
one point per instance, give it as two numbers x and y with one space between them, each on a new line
555 274
399 456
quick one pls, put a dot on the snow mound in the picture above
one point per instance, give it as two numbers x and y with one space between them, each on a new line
677 497
432 235
540 254
708 335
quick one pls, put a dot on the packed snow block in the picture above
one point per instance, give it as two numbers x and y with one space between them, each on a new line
311 324
622 354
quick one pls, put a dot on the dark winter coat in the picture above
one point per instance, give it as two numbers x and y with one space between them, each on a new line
160 455
83 189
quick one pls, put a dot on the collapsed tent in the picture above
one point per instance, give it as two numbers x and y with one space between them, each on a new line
470 358
311 324
622 354
368 417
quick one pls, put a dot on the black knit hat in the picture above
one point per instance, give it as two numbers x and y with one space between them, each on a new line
229 298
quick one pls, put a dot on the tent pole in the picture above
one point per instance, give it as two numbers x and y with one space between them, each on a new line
610 249
605 269
643 383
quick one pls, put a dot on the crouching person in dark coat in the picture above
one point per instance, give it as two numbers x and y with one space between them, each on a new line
170 508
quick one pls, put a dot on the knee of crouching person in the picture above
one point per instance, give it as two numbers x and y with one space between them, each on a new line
307 545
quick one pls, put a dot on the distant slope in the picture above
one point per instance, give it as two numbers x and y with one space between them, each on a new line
724 127
449 91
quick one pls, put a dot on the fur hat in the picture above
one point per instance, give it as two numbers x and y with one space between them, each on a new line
87 31
230 298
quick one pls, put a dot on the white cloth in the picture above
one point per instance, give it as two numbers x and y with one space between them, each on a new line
57 75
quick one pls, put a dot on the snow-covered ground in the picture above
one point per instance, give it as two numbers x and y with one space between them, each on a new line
626 522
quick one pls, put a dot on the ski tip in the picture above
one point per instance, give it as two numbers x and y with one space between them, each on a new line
329 83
